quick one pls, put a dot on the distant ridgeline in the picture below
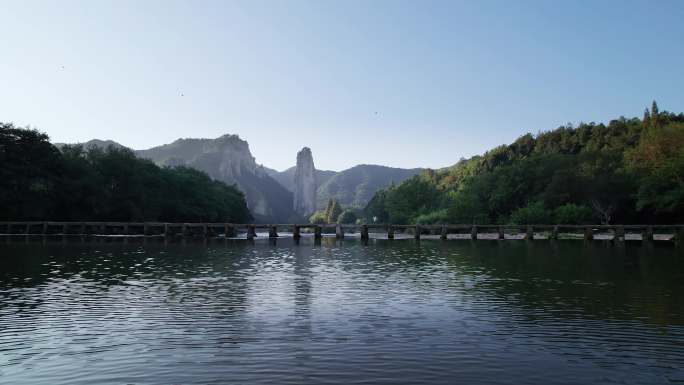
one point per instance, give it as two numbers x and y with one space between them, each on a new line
272 196
228 159
629 171
40 182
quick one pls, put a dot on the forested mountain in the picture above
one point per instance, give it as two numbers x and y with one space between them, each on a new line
269 193
228 159
40 182
352 187
631 170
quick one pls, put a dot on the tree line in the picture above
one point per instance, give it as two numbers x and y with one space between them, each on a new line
628 171
334 213
39 181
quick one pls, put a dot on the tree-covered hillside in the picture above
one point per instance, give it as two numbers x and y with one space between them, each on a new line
631 170
40 182
229 159
354 187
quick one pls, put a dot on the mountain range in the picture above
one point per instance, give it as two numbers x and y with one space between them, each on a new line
269 193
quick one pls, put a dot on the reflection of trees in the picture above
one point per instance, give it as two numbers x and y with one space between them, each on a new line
570 278
175 279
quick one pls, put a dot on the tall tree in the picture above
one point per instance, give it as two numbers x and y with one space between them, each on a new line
647 118
335 211
655 115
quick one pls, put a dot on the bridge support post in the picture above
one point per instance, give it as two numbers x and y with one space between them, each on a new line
502 233
390 232
229 231
473 233
416 233
251 231
273 231
339 231
529 233
45 228
65 228
648 236
295 232
619 234
588 233
364 232
444 232
679 237
318 233
554 233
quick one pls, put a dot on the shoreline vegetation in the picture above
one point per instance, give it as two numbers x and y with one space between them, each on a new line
38 181
630 171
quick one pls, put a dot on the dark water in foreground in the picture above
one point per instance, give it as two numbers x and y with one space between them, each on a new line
399 312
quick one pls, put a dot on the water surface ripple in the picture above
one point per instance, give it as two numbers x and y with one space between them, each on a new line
389 312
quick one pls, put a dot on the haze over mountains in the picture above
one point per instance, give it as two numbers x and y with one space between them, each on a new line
272 196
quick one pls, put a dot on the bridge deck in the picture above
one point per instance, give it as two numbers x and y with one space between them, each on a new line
391 231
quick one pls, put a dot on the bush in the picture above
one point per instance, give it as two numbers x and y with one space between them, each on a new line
439 216
533 213
347 217
572 214
318 218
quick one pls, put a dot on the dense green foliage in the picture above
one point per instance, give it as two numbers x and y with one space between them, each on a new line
347 217
330 215
318 218
631 170
40 182
228 159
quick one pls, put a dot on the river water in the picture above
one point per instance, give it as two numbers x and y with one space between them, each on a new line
385 312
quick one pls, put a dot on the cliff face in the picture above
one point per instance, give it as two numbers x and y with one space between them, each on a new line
287 177
229 160
353 187
305 183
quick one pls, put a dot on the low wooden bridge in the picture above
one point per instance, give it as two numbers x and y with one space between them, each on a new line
619 233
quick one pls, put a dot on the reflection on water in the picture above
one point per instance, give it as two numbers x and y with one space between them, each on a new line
387 312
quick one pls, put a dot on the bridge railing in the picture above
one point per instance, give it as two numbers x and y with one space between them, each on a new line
618 232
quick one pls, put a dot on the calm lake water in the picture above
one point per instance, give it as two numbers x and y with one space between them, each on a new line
400 312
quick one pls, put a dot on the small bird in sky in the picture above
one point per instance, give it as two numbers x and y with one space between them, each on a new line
182 94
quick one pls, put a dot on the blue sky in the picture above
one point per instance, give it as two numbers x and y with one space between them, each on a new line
407 84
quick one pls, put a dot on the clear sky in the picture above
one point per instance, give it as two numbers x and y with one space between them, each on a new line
408 84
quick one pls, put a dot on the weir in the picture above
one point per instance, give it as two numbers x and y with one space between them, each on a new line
617 233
